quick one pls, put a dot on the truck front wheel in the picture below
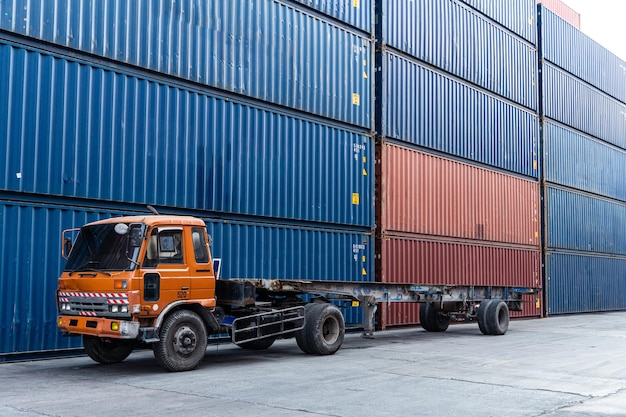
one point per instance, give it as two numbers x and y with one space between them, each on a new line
106 351
183 341
323 331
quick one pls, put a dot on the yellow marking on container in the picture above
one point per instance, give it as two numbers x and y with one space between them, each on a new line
355 303
355 199
365 75
536 234
364 172
363 258
537 303
356 99
355 3
365 159
534 164
363 271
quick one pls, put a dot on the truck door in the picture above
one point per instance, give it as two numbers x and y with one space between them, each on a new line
202 275
165 272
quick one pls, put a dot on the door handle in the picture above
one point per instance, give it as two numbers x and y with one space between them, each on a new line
184 288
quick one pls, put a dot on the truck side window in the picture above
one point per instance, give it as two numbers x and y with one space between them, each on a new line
199 246
170 247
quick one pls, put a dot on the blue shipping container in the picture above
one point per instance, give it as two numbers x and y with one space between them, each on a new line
570 49
79 130
31 263
584 283
575 103
516 15
582 222
578 161
430 109
357 13
459 40
260 48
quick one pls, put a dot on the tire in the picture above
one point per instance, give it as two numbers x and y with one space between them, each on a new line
183 341
481 316
432 320
498 318
106 351
260 344
324 330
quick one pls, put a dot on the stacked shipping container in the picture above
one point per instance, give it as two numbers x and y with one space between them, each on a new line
457 190
245 114
584 137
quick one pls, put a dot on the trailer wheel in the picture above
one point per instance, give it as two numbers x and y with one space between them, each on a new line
106 351
433 320
324 330
183 341
481 316
498 318
260 344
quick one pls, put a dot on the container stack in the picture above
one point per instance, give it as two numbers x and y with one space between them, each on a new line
254 115
457 169
584 139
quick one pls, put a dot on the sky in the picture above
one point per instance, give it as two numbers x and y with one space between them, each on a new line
604 21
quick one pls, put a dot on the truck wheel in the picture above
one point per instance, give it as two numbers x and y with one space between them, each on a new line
481 316
498 318
432 320
183 341
324 329
106 351
260 344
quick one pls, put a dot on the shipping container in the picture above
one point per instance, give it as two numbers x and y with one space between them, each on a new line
426 107
428 194
357 13
259 48
411 258
80 130
517 16
578 161
584 282
461 41
583 222
31 262
560 9
577 104
573 51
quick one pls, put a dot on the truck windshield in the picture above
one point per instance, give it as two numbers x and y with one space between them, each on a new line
103 248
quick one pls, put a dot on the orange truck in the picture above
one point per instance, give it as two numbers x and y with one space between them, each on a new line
150 281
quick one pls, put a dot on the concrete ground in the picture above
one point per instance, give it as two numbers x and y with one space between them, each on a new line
560 366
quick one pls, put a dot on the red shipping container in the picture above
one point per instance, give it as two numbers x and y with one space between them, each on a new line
428 194
424 260
563 11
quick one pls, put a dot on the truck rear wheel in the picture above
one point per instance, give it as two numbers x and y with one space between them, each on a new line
106 351
498 318
324 329
481 316
433 320
183 341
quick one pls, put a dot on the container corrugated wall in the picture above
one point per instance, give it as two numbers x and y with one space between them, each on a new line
428 194
583 222
578 161
561 10
258 48
517 16
466 44
357 13
578 54
583 282
80 130
31 262
575 103
428 108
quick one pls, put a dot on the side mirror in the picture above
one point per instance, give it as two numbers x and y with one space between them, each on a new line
135 235
67 242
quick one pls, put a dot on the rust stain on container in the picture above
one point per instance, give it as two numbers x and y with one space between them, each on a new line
428 194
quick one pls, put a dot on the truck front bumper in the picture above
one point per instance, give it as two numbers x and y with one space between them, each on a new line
99 326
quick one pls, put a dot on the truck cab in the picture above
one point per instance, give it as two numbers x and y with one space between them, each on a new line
123 278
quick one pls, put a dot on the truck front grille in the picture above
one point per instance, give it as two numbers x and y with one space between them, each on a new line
93 304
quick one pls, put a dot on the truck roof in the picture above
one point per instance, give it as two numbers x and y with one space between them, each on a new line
151 220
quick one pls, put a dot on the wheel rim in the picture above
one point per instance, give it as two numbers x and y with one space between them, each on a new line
330 330
185 340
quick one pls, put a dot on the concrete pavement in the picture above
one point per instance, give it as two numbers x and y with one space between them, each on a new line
559 366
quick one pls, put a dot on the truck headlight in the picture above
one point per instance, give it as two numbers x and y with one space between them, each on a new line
115 308
124 309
